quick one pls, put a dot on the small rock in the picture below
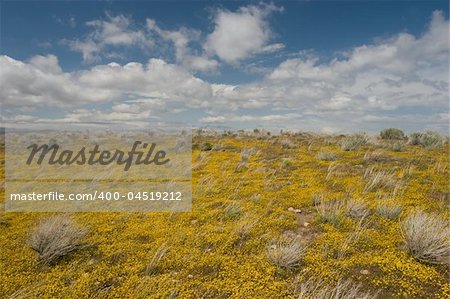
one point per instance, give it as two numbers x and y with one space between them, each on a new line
306 224
298 211
190 276
364 272
291 209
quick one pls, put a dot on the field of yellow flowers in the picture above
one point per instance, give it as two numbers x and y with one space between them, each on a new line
270 215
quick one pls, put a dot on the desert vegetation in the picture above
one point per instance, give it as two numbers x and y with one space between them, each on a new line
427 237
56 237
289 215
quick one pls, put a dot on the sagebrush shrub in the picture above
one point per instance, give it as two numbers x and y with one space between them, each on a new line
428 139
286 253
392 134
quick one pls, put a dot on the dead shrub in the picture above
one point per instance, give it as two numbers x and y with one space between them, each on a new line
56 237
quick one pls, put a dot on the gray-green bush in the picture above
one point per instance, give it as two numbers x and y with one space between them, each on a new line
428 139
392 134
427 237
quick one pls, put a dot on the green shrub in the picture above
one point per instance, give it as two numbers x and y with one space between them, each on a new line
392 134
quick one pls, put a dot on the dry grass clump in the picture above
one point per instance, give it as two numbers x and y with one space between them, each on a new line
153 267
389 211
344 289
353 142
330 140
326 156
288 144
440 166
427 237
205 185
377 155
245 157
24 293
357 209
332 168
201 161
330 211
378 179
397 147
286 163
351 240
286 253
56 237
316 199
232 211
245 227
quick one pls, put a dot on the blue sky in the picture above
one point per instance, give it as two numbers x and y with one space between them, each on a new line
331 66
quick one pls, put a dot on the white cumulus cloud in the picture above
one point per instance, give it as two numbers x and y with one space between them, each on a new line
241 34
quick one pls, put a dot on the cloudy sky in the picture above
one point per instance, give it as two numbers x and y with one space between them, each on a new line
328 66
